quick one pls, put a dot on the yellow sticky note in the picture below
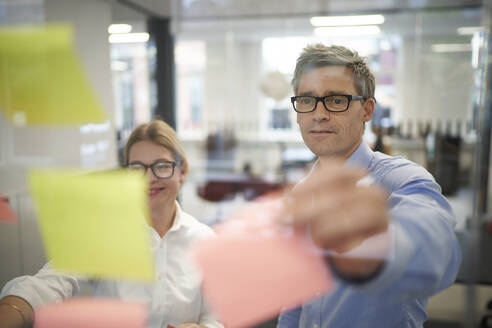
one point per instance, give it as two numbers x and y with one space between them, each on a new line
94 224
41 79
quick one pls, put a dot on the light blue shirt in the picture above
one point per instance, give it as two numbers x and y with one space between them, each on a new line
426 255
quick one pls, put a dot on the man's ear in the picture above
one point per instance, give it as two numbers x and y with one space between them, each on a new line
368 109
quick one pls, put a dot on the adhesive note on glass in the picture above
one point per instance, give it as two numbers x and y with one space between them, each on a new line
94 224
94 313
41 79
6 213
254 268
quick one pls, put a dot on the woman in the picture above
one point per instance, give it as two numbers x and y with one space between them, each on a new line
175 297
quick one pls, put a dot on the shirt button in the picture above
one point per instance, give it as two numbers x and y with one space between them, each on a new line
315 326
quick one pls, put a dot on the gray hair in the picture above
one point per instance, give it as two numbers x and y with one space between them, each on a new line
318 55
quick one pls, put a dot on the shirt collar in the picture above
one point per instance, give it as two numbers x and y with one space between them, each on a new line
361 157
179 222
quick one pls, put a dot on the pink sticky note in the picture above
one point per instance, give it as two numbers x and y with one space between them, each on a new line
91 312
254 268
6 213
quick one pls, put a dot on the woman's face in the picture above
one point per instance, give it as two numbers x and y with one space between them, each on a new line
162 192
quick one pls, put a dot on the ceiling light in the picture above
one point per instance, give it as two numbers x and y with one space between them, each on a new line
119 28
451 47
129 38
347 31
347 20
468 30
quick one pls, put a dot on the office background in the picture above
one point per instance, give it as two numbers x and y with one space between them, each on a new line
219 71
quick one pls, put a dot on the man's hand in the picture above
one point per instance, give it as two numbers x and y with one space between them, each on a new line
340 213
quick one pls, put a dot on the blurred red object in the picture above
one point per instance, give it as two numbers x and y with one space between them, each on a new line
6 213
220 188
490 227
91 312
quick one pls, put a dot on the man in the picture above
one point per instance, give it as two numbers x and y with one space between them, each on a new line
398 203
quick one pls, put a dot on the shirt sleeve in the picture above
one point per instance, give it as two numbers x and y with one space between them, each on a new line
289 318
44 287
426 253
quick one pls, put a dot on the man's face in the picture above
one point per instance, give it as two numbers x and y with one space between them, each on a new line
330 134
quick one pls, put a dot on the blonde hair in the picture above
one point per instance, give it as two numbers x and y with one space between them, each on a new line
160 133
318 55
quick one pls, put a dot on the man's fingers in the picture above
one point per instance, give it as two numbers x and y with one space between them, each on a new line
339 211
303 210
320 192
329 178
347 230
345 218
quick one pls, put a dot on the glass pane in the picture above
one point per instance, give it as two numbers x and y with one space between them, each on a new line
428 75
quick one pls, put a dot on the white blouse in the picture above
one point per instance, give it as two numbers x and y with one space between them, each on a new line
174 298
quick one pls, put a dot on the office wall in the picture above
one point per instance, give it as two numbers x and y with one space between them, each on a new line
90 146
433 86
232 88
429 86
90 20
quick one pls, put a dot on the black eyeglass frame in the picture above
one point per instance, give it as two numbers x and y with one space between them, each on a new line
322 99
151 167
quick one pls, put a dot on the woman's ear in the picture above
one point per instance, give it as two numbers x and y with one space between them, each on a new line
182 177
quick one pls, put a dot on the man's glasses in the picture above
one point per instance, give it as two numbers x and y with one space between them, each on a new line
332 103
161 169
